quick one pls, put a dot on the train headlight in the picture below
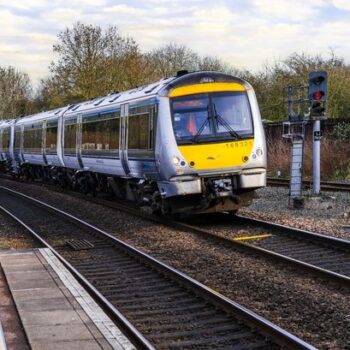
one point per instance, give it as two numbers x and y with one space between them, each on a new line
176 160
259 152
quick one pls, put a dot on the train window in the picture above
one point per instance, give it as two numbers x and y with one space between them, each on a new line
140 127
32 138
138 131
51 136
70 132
100 133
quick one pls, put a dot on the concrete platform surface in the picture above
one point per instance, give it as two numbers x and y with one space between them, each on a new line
55 310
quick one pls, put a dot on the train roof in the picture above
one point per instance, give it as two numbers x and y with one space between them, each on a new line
117 98
160 88
6 123
57 112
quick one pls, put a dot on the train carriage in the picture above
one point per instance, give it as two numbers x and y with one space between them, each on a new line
6 136
36 140
193 142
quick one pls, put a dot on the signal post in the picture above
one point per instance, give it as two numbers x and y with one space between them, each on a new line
300 110
318 104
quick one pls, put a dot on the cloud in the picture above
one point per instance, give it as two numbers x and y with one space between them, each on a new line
215 20
342 4
243 33
287 10
23 5
63 16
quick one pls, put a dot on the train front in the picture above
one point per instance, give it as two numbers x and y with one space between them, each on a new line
212 153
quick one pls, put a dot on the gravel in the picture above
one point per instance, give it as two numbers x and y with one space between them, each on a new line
311 308
328 214
13 236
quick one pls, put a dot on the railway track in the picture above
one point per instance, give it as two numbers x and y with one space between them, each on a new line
325 185
157 306
322 255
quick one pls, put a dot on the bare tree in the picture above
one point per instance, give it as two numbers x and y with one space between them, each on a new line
91 62
15 90
170 58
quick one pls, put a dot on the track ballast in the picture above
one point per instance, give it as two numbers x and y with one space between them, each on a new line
168 308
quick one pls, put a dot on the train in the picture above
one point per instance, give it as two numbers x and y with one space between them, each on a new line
191 143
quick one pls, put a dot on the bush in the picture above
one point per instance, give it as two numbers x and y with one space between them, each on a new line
341 131
335 158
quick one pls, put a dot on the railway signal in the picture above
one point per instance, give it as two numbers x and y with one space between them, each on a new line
318 104
313 96
317 93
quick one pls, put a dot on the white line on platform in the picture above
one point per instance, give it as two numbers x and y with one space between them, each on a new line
110 331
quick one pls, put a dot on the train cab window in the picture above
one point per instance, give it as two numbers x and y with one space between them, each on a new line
51 136
210 117
32 138
100 133
190 115
232 111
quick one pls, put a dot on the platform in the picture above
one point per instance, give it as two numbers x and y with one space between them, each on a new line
54 309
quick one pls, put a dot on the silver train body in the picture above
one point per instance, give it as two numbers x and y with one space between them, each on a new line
191 143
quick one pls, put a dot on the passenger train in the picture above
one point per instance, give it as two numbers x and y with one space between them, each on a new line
192 143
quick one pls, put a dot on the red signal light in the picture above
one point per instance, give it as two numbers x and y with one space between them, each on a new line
318 95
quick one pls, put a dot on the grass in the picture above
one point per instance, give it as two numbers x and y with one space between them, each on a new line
335 158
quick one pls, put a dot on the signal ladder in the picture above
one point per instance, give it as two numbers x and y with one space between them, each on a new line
295 132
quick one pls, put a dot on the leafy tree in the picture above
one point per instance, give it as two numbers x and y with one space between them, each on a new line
91 62
294 70
15 90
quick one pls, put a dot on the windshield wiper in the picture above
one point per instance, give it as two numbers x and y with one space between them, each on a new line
200 130
225 124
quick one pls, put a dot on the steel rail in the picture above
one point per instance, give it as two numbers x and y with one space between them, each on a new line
325 185
330 275
266 327
130 330
338 242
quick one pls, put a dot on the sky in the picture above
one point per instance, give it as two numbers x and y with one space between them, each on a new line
244 33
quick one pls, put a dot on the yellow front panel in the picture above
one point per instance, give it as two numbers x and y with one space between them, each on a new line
206 87
217 155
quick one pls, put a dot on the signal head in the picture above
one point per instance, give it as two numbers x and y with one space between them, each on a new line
317 93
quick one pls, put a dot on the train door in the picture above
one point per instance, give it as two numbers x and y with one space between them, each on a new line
79 139
43 148
18 143
124 138
1 157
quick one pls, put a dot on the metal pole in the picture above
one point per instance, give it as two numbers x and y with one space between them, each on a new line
2 339
290 103
316 158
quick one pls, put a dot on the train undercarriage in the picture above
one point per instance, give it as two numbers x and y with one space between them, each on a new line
215 197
